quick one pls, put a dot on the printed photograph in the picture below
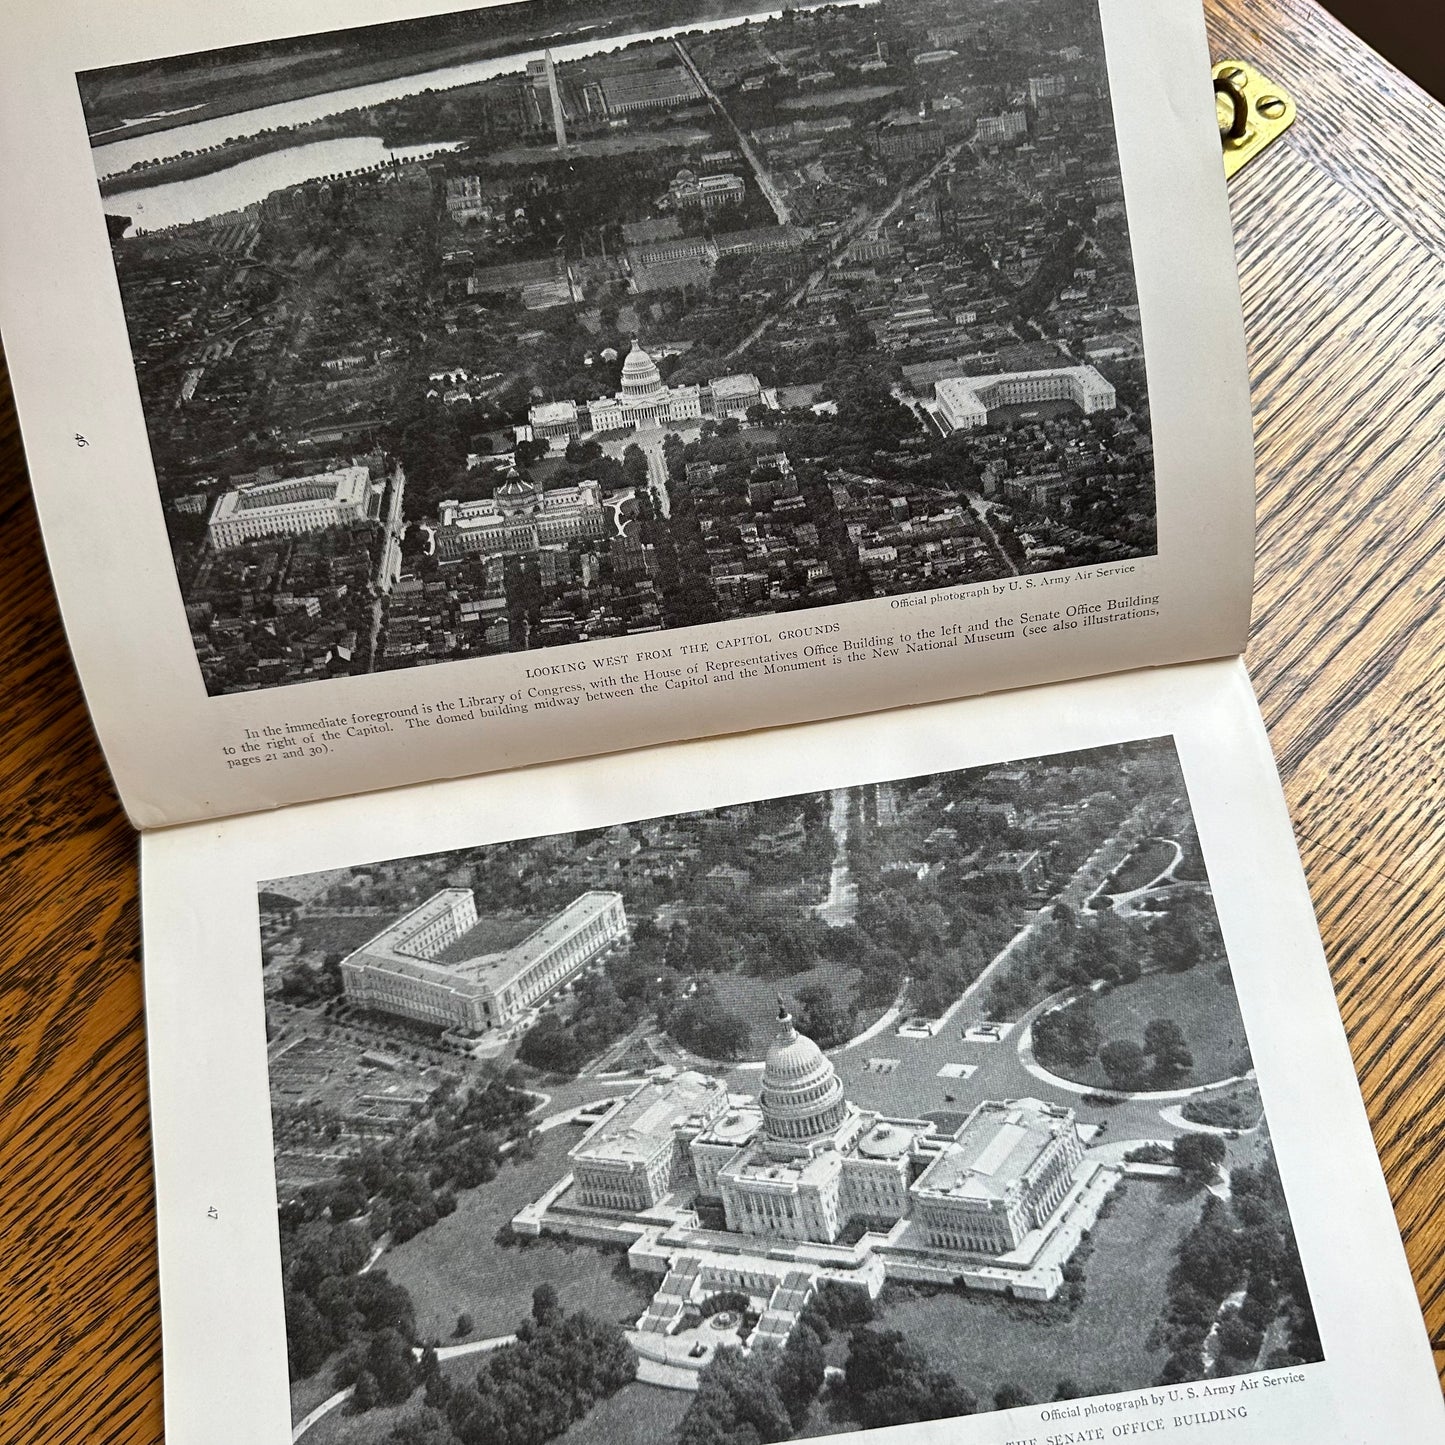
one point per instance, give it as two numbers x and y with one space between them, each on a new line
546 323
905 1101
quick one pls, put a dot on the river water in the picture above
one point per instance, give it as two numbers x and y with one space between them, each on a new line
176 203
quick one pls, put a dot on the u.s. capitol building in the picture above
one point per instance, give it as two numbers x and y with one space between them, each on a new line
645 401
810 1186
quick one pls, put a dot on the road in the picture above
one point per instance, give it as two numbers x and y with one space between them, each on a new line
875 227
388 567
446 1352
649 441
766 184
980 510
840 907
868 222
1000 1069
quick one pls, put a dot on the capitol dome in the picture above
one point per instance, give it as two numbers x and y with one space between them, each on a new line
801 1095
641 380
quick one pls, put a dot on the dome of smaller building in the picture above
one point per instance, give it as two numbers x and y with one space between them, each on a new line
516 495
514 486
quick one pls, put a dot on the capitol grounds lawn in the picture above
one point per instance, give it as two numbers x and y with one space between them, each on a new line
1143 865
759 437
987 1342
373 1427
1200 1000
306 1395
636 1415
457 1267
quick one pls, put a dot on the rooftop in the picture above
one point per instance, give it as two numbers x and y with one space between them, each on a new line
476 960
739 384
1084 376
993 1151
632 86
547 412
645 1122
348 484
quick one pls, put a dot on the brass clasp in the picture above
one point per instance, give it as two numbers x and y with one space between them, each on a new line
1253 112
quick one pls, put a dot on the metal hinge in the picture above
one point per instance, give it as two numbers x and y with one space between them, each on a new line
1253 112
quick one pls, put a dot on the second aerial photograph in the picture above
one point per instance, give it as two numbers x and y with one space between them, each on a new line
906 1101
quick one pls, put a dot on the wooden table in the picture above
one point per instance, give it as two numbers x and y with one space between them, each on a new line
1341 234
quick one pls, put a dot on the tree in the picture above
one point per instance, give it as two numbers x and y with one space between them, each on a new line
430 1427
737 1403
704 1024
1009 1395
634 465
887 1382
533 1390
1164 1039
820 1017
1101 951
1068 1036
579 451
545 1309
309 1339
1123 1061
1198 1156
390 1364
799 1375
551 1046
1238 1339
464 1326
364 1394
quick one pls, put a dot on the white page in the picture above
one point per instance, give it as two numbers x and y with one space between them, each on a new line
107 491
210 1000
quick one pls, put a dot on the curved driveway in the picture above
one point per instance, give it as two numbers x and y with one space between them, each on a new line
446 1352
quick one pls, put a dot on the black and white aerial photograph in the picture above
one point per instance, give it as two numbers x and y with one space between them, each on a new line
904 1101
545 323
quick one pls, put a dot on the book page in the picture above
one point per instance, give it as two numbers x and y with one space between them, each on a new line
966 1072
410 396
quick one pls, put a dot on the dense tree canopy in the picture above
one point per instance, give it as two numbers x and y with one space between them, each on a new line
887 1381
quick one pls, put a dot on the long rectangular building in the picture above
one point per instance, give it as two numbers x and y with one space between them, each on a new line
289 508
964 402
440 965
631 1158
631 90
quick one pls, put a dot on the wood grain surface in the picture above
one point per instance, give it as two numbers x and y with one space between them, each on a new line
1341 234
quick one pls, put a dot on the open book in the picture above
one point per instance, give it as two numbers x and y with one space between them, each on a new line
666 589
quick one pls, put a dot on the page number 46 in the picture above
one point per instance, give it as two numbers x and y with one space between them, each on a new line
81 440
